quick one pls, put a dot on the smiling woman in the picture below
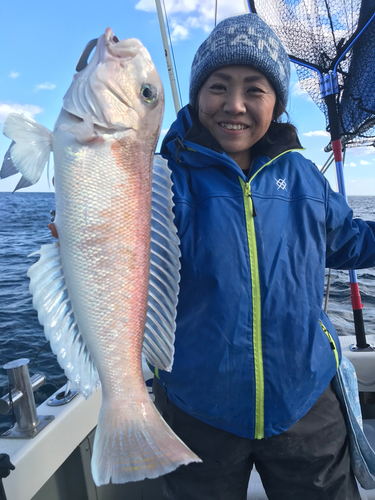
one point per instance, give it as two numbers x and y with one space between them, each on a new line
236 104
251 379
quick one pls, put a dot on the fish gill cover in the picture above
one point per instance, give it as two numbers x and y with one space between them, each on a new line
317 33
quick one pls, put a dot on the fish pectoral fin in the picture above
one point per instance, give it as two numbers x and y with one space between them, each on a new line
158 343
52 302
29 153
83 131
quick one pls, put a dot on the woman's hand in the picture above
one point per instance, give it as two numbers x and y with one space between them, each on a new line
53 229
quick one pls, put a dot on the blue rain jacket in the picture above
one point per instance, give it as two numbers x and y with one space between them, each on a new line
253 349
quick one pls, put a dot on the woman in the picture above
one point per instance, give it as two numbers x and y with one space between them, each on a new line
258 224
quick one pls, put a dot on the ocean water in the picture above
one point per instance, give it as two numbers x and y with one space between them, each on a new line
23 229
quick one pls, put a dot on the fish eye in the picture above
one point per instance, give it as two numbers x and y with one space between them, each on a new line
149 93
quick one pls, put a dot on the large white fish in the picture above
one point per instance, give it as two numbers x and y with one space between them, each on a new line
93 290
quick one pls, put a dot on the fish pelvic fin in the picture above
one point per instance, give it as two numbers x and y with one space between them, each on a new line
55 313
135 444
158 343
32 145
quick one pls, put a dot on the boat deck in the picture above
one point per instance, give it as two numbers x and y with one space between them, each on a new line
56 463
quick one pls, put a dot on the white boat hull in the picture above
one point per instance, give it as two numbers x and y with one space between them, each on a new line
56 463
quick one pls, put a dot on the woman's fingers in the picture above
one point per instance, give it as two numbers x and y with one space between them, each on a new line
53 230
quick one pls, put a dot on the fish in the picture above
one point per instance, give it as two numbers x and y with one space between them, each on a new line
107 290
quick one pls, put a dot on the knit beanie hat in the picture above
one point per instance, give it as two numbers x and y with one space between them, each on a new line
244 39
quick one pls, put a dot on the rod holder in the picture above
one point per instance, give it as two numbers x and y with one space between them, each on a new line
21 399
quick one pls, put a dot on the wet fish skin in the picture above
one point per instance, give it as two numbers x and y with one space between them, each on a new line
103 144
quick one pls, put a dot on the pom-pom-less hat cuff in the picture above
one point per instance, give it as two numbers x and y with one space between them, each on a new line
246 40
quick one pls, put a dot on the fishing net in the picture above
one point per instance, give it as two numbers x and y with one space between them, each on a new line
317 33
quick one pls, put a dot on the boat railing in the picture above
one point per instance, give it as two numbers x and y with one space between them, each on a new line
20 400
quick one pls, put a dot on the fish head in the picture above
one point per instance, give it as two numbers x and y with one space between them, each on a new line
119 88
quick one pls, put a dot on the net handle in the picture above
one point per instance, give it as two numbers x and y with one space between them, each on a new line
334 125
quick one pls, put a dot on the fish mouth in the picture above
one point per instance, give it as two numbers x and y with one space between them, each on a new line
125 49
106 44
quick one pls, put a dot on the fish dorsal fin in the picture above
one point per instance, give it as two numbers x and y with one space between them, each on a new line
31 149
55 313
158 344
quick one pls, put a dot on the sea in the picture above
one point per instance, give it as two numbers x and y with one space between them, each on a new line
24 218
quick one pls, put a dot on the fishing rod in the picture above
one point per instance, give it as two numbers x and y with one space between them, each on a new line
329 92
172 79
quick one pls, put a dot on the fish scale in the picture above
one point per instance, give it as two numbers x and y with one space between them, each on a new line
94 292
116 229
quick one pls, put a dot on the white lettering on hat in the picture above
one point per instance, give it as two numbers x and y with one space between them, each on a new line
273 42
242 39
272 52
205 52
218 44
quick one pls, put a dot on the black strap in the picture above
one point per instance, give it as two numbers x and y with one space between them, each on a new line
5 467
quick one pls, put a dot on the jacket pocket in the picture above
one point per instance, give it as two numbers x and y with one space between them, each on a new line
331 342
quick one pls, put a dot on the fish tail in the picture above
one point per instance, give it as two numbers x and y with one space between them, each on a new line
138 446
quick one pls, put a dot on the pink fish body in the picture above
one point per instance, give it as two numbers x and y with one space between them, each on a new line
113 275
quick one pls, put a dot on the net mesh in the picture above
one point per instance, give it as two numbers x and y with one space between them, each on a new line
315 32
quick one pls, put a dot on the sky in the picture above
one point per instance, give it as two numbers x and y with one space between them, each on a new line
41 42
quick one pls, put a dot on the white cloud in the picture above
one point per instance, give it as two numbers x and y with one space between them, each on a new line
29 110
179 32
203 23
364 162
201 14
14 74
172 6
361 151
351 164
44 86
146 5
298 90
317 133
299 87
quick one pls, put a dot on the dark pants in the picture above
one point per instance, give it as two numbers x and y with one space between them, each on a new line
309 461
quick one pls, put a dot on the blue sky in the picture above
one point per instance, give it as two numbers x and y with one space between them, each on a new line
40 44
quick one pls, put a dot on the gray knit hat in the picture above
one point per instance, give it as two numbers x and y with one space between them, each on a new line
244 39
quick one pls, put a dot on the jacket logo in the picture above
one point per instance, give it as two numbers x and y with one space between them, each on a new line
280 183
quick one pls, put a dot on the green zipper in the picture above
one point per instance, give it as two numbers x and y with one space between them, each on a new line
332 343
257 313
257 327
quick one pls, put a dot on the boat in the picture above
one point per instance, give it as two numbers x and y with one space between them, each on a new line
55 463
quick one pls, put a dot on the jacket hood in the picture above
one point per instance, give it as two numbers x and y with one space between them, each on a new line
179 128
187 137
